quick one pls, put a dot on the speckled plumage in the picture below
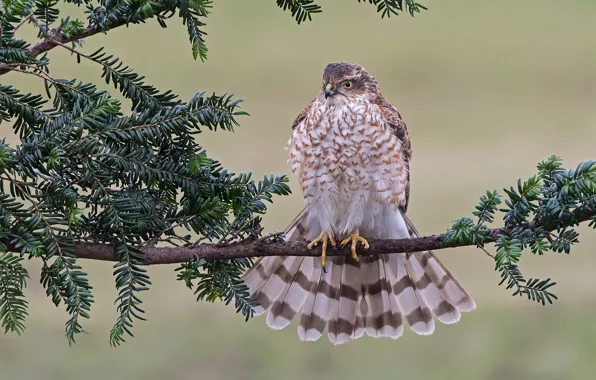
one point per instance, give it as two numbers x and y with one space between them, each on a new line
351 152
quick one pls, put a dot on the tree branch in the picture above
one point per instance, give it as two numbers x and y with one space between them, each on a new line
263 248
259 248
55 38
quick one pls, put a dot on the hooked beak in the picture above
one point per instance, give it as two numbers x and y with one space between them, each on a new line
329 90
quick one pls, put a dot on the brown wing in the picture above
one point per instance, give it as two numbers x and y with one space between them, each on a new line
302 114
393 118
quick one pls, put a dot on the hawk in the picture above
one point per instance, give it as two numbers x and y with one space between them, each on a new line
351 152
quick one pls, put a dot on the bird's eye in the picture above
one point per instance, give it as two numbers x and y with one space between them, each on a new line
347 84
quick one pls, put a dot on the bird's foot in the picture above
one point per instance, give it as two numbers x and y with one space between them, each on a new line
325 238
355 238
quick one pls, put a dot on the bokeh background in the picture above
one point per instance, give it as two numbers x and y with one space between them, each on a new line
487 88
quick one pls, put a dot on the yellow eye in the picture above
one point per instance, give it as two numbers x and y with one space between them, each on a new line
347 84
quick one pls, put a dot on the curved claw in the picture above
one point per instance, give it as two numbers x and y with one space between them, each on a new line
325 238
355 238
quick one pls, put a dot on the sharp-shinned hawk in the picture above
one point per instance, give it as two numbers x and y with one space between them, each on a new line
351 152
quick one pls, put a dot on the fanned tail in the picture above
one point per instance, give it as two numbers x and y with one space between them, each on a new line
371 296
280 284
439 283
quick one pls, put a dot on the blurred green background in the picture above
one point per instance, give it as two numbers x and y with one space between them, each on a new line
487 89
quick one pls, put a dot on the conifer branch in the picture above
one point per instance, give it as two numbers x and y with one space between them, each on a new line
260 248
263 248
55 38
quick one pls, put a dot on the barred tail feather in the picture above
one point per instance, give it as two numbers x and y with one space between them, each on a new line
433 297
411 303
371 296
359 329
320 303
381 318
257 277
439 275
343 318
292 295
397 328
371 290
441 278
279 279
266 269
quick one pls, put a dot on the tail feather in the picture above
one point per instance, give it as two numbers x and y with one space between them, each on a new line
444 280
278 280
361 311
371 289
343 318
391 320
257 277
314 319
453 292
292 295
371 296
380 320
410 302
396 315
434 298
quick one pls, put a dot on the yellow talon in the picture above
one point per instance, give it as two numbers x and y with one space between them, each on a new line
355 238
325 238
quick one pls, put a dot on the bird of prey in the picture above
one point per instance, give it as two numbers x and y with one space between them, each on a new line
351 152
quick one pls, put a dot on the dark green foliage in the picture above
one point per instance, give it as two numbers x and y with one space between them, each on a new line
144 97
46 12
190 11
300 9
130 280
485 210
219 280
70 28
464 230
540 214
25 107
389 7
534 289
303 10
13 278
563 241
66 282
521 202
89 168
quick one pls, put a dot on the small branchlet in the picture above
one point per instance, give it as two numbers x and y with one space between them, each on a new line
540 214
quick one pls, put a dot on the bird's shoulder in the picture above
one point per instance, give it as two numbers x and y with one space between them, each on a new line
393 118
306 111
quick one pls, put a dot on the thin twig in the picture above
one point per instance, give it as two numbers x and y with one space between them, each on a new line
55 37
24 20
487 252
72 50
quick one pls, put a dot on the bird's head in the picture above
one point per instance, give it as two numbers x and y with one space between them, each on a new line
345 82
